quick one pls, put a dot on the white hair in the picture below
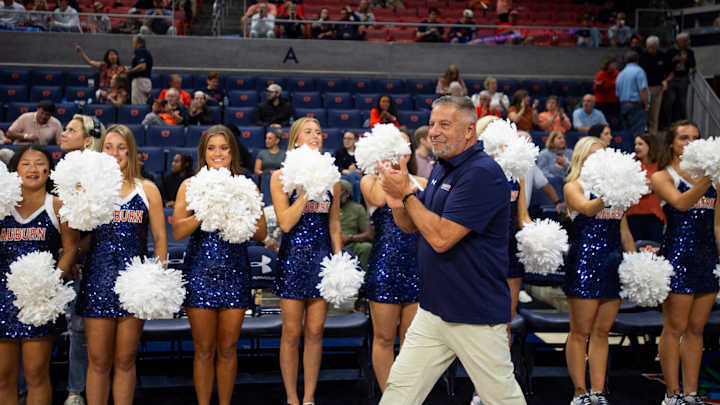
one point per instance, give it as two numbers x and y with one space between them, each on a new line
652 40
682 35
172 90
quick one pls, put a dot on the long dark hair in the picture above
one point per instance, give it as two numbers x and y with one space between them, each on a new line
106 58
411 164
652 146
186 162
391 109
666 154
13 164
518 97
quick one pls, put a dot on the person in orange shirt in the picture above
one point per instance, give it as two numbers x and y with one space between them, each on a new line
646 218
554 118
521 112
384 112
604 87
176 83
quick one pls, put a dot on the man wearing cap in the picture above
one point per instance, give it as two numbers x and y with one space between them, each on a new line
275 110
463 34
100 23
36 128
357 234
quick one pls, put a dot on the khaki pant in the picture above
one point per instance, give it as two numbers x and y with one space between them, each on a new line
656 94
431 344
140 91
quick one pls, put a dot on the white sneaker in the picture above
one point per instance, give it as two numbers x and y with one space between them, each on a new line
584 399
524 297
475 400
74 400
694 399
676 399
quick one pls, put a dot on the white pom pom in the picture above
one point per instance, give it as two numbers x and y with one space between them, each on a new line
512 152
497 135
40 293
230 204
148 291
615 177
11 186
341 278
88 183
307 169
645 278
385 142
541 245
702 158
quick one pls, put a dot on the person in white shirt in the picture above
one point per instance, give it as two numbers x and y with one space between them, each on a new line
102 22
65 18
498 99
262 24
12 13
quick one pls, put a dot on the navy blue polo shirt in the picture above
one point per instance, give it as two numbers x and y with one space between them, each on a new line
142 55
467 284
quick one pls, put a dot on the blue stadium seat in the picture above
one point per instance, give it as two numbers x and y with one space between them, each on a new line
586 88
344 118
332 139
614 121
159 80
165 135
571 138
14 76
623 141
262 82
183 151
53 93
200 81
154 158
239 116
332 84
65 112
243 98
216 112
306 100
55 152
132 113
104 112
319 114
80 78
365 101
361 85
5 125
15 109
536 88
474 86
424 101
303 84
420 86
337 100
509 86
154 94
187 81
564 88
391 86
194 133
413 119
240 82
139 131
539 138
13 93
403 102
73 93
47 78
252 137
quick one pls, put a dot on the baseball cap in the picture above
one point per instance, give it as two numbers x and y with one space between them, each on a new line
467 13
274 87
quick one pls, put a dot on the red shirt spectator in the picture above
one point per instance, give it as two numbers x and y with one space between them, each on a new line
604 85
176 83
384 112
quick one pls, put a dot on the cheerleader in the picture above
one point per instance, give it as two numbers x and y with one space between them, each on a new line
592 283
691 245
112 333
311 232
219 278
38 211
392 282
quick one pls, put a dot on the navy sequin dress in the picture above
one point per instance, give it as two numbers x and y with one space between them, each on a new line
517 270
40 232
690 243
393 276
301 251
112 246
217 272
595 255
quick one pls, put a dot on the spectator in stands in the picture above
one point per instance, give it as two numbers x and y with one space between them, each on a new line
270 159
108 67
635 43
321 31
118 93
167 112
276 110
181 168
536 180
451 75
484 108
384 112
589 36
252 10
423 152
521 112
345 156
157 21
503 9
553 118
587 115
601 131
512 35
654 63
619 34
262 24
498 99
215 93
36 128
12 14
681 60
604 87
348 31
364 12
37 19
198 113
81 133
631 88
357 234
430 34
64 18
646 218
554 160
176 83
293 29
284 10
140 72
462 35
131 25
100 23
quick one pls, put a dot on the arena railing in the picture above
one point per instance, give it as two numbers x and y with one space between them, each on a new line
703 105
84 25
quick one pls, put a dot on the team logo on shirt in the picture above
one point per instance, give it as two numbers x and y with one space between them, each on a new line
707 203
610 213
446 187
131 216
514 195
22 234
317 207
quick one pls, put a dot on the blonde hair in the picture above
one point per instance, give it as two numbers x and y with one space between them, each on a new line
131 170
88 126
581 151
295 130
483 123
487 81
551 138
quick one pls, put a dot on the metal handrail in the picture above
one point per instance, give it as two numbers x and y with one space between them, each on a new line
704 105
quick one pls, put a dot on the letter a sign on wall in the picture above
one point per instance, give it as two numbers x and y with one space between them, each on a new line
290 55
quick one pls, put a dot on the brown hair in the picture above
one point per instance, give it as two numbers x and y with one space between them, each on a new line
131 170
518 97
213 75
235 159
652 146
607 61
411 164
421 133
451 74
665 157
551 139
295 130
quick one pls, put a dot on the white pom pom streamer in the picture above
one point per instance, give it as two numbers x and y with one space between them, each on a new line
541 245
11 186
512 152
645 278
88 183
702 158
307 169
341 278
497 135
230 204
39 292
148 291
385 142
615 177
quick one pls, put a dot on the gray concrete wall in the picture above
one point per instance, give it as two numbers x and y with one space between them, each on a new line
321 57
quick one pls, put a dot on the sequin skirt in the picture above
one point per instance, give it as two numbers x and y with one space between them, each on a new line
299 268
592 275
97 298
12 328
694 264
218 287
393 276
